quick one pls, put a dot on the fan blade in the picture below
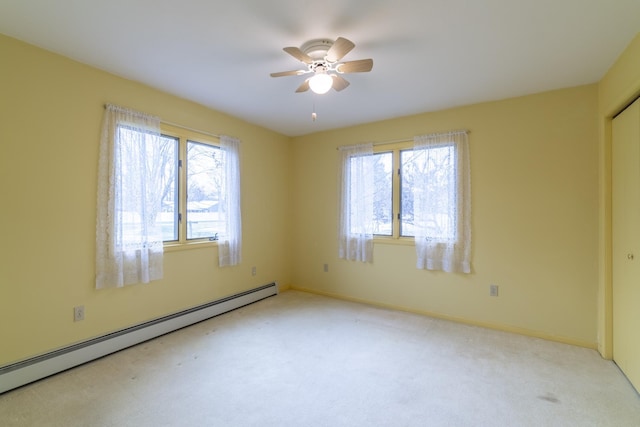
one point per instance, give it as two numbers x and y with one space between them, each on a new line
298 54
288 73
303 87
339 49
359 66
339 83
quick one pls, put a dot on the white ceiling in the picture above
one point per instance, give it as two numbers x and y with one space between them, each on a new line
428 54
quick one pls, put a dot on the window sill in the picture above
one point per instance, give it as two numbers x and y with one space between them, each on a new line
388 240
196 244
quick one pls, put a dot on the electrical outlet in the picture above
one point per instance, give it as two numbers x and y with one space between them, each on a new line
326 268
254 271
78 313
493 290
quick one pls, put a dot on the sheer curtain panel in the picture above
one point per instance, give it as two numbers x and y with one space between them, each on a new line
230 245
355 228
442 202
129 246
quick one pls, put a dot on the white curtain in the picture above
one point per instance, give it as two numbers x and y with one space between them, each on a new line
129 246
442 202
230 244
355 232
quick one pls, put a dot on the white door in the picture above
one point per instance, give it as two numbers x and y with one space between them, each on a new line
626 241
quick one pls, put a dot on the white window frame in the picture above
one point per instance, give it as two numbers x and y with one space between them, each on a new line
184 136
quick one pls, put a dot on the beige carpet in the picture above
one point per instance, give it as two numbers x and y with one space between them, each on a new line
305 360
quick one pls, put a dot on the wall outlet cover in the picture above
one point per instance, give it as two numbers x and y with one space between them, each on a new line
78 313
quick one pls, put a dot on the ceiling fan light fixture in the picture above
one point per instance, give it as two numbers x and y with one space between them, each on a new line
321 58
321 83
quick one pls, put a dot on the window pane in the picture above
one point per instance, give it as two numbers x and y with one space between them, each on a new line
149 182
431 173
205 198
382 198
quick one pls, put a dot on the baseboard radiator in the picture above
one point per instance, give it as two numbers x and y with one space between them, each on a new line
36 368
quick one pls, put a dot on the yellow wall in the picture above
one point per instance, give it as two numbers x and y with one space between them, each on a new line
50 116
541 224
534 178
617 89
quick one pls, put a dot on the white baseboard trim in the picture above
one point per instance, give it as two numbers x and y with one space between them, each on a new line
38 367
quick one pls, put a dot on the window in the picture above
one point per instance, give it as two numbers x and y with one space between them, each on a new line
399 174
194 190
183 177
418 190
161 186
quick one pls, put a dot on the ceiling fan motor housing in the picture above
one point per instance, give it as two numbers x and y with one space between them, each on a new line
317 48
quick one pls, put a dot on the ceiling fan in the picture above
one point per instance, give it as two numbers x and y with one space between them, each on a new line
322 58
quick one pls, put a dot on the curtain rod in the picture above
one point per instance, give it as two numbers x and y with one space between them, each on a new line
395 141
191 129
169 123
